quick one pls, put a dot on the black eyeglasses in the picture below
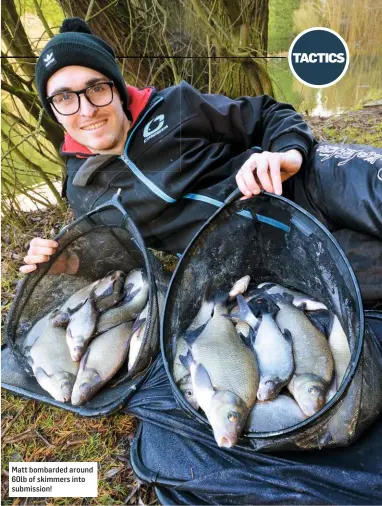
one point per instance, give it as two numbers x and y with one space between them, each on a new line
68 102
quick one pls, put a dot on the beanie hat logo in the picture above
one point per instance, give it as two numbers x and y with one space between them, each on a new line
49 59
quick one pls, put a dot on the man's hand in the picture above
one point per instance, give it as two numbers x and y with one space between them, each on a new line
40 250
267 171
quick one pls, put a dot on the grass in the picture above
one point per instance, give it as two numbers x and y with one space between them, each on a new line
34 431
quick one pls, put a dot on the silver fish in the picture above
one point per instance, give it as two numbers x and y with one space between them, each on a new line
182 375
299 298
137 337
240 286
339 347
35 332
109 290
135 298
179 371
102 360
81 328
187 389
51 363
277 414
243 328
242 314
312 356
274 354
224 374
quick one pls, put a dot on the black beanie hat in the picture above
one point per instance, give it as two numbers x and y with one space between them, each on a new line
76 45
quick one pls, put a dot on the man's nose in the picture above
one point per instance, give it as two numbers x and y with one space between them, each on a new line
86 108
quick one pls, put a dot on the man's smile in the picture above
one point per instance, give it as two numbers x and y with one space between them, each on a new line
94 126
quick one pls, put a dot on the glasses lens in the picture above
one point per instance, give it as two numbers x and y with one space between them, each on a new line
66 103
100 94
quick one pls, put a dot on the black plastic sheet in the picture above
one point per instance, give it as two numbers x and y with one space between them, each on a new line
178 455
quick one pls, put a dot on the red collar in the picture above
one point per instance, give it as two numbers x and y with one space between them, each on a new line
138 100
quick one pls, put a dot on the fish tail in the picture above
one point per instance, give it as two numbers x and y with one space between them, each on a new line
245 314
138 323
187 360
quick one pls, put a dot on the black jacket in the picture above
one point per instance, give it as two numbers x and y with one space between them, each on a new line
180 158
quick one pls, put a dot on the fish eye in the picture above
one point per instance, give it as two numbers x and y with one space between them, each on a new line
233 417
65 385
188 393
313 390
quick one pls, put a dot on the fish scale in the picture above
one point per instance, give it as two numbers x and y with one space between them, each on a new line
273 350
311 351
228 361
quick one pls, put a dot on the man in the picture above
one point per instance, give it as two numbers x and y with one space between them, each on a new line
176 154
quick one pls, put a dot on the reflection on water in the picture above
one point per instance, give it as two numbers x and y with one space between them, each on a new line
321 108
358 23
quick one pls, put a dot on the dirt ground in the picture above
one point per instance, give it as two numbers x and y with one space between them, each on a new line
39 433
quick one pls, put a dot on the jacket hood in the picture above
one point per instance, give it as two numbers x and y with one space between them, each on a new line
138 100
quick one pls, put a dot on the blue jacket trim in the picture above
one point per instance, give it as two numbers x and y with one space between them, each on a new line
153 187
134 169
204 198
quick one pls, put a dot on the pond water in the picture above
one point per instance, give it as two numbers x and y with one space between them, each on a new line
358 22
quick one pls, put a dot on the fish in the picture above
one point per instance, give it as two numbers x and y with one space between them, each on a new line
101 361
239 287
340 349
242 314
107 292
224 373
135 298
179 371
81 328
299 298
312 357
137 337
273 415
50 360
187 389
35 332
181 374
242 328
273 350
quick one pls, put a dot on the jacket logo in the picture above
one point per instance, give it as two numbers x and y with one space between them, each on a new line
49 58
154 127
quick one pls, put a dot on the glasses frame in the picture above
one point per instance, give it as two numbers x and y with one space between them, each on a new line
80 92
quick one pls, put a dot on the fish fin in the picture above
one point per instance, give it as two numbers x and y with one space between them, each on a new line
128 289
288 336
216 296
83 361
246 339
190 336
266 286
41 375
72 310
128 297
288 297
322 319
245 312
187 360
220 297
202 378
138 324
60 319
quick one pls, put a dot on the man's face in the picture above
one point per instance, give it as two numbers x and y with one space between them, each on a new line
101 129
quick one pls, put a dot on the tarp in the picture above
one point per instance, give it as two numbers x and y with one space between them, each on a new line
178 455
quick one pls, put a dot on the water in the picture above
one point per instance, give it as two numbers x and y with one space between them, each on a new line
357 21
